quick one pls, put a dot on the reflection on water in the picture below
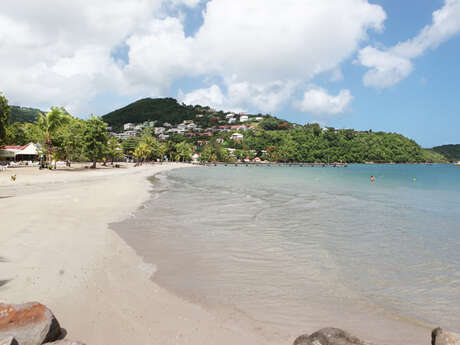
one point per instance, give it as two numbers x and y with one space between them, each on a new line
290 247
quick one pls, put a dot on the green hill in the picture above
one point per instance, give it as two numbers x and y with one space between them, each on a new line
24 114
451 152
148 109
432 156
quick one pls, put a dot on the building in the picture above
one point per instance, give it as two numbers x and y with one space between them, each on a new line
128 126
29 152
220 140
259 118
159 130
232 120
237 136
228 116
244 118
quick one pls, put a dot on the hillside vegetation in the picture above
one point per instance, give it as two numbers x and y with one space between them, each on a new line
212 138
24 114
149 109
451 152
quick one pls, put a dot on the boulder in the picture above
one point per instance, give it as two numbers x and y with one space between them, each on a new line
329 336
8 341
441 337
65 342
30 323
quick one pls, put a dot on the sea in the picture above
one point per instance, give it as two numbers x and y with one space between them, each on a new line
286 250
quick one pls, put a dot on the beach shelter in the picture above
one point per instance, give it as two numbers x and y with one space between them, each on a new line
29 152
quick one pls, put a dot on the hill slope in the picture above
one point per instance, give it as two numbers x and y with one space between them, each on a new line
451 152
24 114
149 109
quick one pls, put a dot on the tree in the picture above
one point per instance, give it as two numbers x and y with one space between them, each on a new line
142 151
5 112
114 150
95 139
68 140
49 124
183 151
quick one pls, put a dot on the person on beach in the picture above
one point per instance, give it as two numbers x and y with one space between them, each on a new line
372 179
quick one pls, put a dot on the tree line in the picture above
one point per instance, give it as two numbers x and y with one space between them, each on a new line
64 137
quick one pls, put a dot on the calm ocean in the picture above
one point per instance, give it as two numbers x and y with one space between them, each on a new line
294 248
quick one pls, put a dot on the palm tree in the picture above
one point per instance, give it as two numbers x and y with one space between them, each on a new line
50 123
141 152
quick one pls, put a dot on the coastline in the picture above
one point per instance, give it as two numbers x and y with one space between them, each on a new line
57 248
369 321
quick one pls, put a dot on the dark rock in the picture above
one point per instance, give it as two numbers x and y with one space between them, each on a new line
30 323
441 337
8 341
329 336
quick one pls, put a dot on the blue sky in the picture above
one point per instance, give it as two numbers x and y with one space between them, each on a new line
383 65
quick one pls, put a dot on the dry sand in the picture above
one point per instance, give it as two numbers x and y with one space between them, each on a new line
56 248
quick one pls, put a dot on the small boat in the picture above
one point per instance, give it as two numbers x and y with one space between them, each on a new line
457 164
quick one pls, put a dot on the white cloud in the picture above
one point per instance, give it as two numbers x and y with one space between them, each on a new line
241 96
389 66
211 96
320 103
55 52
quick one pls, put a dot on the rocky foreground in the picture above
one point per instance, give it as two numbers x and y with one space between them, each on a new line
34 324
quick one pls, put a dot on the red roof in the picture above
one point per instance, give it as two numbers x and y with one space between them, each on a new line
12 147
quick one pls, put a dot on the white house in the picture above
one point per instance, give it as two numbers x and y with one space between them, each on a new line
228 116
159 130
220 140
128 126
231 120
29 152
259 118
244 118
236 136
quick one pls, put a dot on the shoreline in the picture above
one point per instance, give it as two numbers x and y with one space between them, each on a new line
57 248
406 330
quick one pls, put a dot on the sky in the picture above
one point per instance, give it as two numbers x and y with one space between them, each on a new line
385 65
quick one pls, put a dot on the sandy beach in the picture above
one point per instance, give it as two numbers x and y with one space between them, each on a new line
56 247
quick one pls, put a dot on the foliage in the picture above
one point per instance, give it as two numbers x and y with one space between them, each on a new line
49 124
142 151
114 151
4 117
307 144
68 140
183 152
160 110
432 156
95 139
451 152
24 114
214 151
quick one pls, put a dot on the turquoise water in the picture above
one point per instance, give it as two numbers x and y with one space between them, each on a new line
295 246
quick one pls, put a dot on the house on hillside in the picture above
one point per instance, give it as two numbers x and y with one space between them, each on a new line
128 126
220 140
237 136
244 118
259 118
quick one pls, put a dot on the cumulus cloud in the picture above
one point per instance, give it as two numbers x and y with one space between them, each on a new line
239 96
389 66
55 52
211 96
320 103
